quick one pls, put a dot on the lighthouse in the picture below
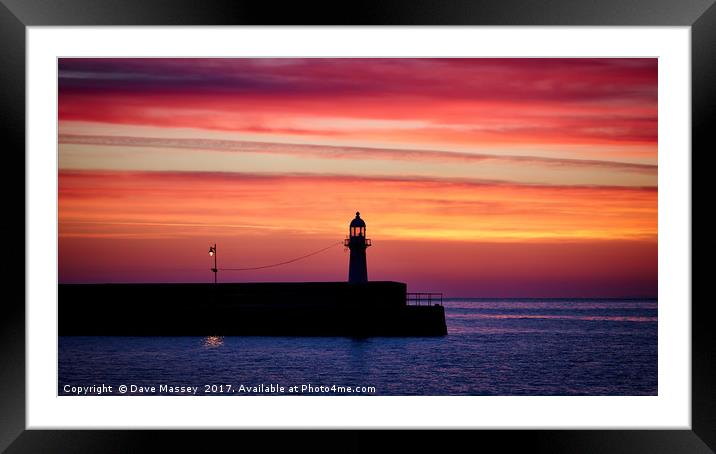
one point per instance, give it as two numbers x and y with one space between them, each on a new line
357 243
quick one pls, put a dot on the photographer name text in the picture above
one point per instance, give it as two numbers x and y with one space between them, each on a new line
213 389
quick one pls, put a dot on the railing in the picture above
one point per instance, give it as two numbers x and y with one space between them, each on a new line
347 242
424 299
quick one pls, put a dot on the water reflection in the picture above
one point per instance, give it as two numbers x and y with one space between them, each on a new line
213 341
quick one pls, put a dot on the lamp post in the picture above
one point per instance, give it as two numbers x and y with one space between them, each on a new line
212 253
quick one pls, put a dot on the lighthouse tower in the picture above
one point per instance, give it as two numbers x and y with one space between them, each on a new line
357 243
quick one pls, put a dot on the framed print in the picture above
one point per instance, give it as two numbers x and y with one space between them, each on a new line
421 217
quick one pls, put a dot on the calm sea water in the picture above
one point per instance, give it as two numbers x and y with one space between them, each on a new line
496 347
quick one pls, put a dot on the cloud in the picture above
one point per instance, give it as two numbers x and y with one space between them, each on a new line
343 152
564 80
427 101
400 207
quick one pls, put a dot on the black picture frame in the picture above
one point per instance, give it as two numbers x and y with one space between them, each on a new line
16 15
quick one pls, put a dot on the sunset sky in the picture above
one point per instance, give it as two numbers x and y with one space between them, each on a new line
476 177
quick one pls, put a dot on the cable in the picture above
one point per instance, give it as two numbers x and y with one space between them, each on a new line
282 263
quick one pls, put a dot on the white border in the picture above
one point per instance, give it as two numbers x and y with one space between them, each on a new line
670 409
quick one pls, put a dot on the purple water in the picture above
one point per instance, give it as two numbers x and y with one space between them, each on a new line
496 347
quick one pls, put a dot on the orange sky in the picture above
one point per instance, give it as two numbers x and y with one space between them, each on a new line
476 177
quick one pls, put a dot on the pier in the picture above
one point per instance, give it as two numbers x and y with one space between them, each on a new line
358 308
376 308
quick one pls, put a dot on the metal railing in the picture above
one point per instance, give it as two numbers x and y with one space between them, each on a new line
424 299
347 242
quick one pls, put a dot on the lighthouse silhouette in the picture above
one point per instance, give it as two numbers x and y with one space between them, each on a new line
357 243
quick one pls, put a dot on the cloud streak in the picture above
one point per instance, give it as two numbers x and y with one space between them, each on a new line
458 101
311 204
344 152
530 79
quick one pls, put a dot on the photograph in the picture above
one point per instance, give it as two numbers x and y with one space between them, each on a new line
357 226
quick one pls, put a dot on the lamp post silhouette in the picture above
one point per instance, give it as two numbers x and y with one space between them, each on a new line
212 253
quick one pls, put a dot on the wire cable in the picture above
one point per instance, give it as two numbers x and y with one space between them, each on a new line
282 263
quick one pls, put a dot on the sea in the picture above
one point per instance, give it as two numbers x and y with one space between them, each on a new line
503 347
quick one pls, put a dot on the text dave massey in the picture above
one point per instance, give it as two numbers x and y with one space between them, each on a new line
109 389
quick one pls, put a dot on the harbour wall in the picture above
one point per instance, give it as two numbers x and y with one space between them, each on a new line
254 309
